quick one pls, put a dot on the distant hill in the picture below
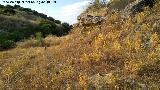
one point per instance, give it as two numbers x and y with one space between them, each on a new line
18 23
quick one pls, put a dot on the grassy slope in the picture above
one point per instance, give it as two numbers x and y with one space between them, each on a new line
18 19
116 54
18 23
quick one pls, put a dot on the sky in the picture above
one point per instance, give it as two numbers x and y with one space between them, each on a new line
63 10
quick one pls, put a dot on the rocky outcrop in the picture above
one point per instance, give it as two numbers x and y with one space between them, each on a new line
141 4
132 7
137 6
90 20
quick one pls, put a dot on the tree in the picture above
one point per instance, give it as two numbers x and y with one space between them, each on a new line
9 11
51 19
16 6
9 6
57 21
66 28
45 28
1 6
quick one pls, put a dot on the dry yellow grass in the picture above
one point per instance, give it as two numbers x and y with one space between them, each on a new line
121 55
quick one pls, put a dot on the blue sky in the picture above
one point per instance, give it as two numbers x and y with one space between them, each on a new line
64 10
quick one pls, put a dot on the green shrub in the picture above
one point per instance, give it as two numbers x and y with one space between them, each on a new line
51 19
6 44
66 27
57 21
9 11
45 27
39 38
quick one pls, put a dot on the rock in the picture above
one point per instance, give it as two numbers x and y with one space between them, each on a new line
139 7
89 19
136 7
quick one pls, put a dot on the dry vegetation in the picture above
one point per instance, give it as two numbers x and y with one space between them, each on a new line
118 55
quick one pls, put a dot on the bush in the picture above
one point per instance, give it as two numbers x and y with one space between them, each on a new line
66 27
46 28
9 11
16 36
9 6
1 6
51 19
57 21
6 44
42 15
16 6
39 38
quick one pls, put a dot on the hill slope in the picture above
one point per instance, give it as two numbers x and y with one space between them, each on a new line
18 23
117 53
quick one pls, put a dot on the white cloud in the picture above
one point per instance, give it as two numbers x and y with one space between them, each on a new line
70 12
75 8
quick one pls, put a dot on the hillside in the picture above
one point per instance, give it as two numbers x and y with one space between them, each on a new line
18 23
110 48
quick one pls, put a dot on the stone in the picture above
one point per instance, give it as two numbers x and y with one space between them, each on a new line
90 20
136 7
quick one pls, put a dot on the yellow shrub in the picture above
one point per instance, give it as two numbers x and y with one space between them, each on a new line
83 81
